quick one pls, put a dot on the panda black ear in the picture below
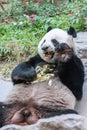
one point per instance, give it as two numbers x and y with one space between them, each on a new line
72 32
49 28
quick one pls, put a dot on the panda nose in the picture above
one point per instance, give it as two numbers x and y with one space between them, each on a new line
45 48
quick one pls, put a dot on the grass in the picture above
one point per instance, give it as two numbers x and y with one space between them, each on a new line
22 27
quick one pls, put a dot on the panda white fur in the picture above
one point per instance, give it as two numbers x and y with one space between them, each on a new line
29 103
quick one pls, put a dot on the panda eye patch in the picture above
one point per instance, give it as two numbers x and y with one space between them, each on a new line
55 42
43 42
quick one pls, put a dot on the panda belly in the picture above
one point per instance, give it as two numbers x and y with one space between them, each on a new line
54 94
47 93
28 103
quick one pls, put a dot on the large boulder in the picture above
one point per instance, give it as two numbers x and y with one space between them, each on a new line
63 122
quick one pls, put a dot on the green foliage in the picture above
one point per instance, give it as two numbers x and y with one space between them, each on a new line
27 23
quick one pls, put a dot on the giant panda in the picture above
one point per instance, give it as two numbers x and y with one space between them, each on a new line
25 71
28 103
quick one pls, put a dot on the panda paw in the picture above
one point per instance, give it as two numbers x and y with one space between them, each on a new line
63 52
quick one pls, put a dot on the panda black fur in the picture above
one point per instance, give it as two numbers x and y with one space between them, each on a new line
25 71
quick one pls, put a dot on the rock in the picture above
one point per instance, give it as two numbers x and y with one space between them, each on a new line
81 44
63 122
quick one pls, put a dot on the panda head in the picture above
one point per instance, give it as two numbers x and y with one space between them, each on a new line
53 37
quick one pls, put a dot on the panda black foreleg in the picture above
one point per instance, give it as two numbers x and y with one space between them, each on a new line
25 71
70 69
71 74
63 112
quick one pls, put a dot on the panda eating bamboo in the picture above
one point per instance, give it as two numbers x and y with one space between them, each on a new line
57 95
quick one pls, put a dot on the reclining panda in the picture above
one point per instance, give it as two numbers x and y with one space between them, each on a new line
26 71
30 102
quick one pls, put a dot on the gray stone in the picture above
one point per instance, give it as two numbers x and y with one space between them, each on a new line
64 122
81 44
